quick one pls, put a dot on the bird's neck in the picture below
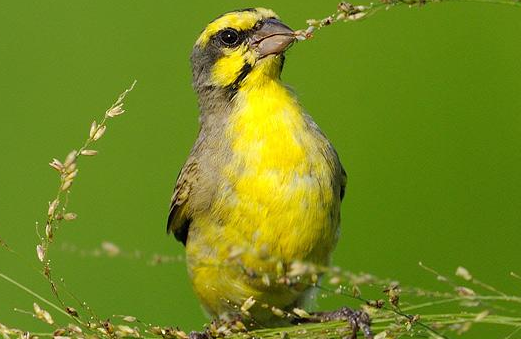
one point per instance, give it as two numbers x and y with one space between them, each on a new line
262 82
266 72
266 114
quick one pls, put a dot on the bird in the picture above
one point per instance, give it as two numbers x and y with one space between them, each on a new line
262 186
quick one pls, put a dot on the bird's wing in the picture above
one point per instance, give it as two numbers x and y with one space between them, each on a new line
179 218
336 166
343 181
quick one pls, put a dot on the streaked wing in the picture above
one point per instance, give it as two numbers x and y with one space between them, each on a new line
179 218
343 182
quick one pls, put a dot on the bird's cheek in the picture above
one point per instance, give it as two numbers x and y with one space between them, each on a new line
229 67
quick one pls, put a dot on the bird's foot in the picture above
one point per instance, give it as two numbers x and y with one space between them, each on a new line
358 320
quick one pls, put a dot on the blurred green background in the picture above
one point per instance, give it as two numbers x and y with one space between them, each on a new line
422 104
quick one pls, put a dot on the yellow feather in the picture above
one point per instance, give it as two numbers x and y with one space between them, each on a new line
240 21
228 67
276 201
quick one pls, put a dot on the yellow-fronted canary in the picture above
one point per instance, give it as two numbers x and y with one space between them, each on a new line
262 187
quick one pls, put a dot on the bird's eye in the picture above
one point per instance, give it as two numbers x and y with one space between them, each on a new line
229 37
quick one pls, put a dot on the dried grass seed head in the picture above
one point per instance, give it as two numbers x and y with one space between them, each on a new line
115 111
462 272
40 252
70 216
52 207
66 185
56 164
277 311
248 303
70 158
110 249
42 314
71 311
93 129
88 152
301 313
99 133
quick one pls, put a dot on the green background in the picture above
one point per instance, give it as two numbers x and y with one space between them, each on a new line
422 104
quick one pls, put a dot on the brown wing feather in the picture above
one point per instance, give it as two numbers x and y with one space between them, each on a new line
343 182
179 217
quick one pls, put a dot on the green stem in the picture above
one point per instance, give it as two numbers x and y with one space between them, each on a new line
34 294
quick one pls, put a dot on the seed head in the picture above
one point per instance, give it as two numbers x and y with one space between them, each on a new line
327 21
70 159
72 311
110 249
107 325
313 22
376 303
345 6
40 252
465 291
66 185
93 128
463 273
356 16
70 216
129 319
248 303
393 292
71 168
125 331
74 328
56 164
72 174
297 268
99 133
89 152
48 232
277 311
59 332
155 330
42 314
301 313
115 111
52 207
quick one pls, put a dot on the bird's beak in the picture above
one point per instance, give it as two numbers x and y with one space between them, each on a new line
272 38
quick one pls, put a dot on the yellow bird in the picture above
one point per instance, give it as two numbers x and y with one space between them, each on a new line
261 189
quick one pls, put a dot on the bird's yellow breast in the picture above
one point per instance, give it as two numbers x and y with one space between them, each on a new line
281 181
275 201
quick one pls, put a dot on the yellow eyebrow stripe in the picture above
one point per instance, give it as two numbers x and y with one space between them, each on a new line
240 21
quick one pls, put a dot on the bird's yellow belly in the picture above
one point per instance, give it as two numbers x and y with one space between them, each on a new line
276 205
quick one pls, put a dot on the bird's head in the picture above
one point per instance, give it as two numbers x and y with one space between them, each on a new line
239 47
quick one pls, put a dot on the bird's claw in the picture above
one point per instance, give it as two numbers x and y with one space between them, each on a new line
359 320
